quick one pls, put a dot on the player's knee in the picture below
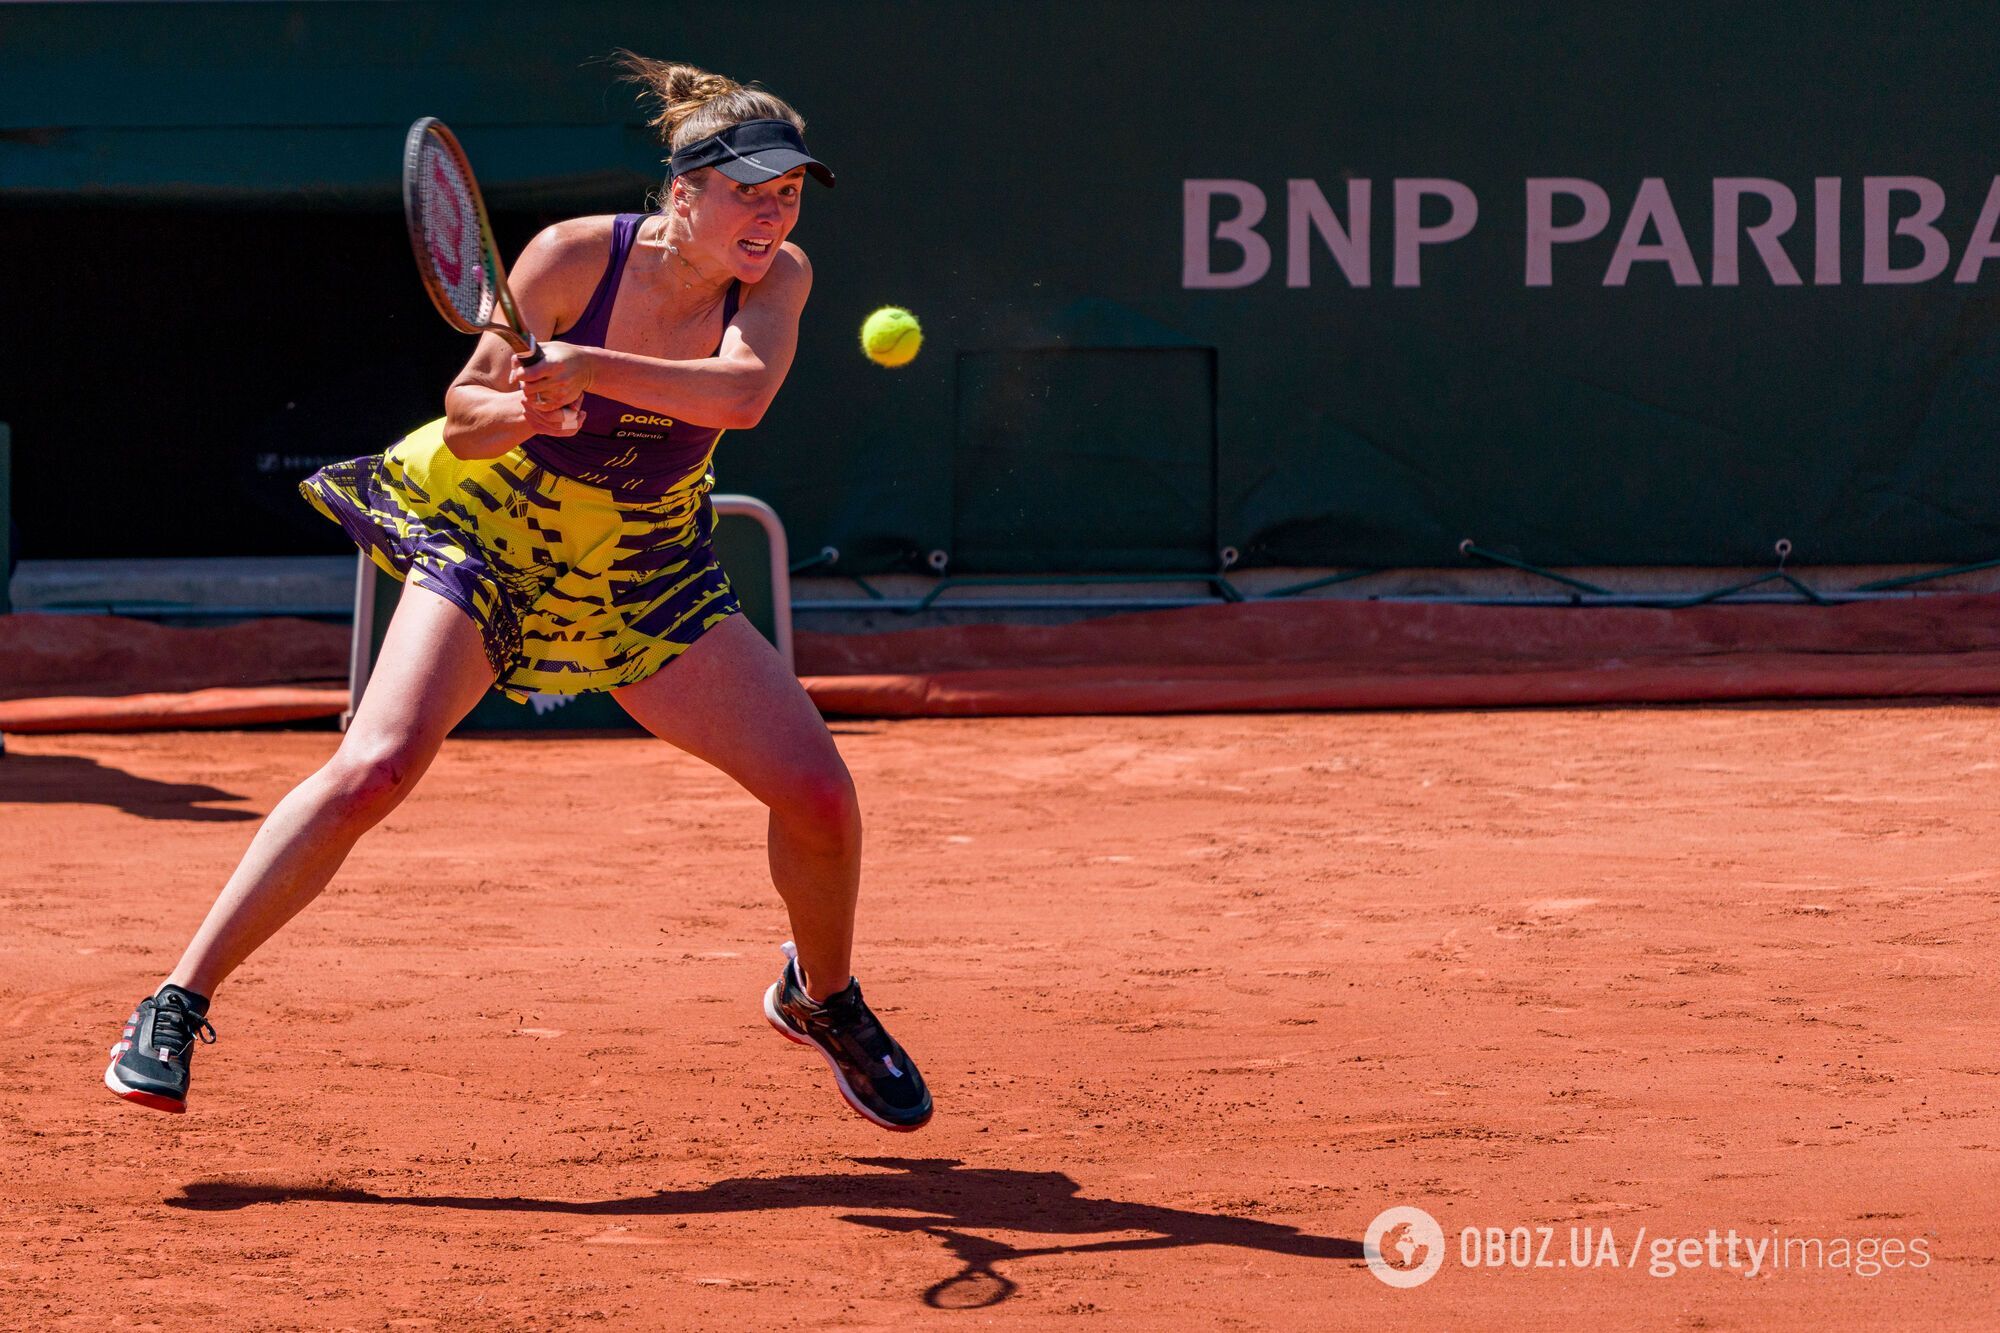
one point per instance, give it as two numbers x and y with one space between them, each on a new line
821 807
367 783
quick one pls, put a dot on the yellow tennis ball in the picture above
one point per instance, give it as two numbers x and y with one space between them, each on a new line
891 336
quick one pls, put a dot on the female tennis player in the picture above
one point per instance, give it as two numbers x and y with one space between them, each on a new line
553 533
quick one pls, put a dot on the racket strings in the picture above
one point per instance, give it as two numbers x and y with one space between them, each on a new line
450 223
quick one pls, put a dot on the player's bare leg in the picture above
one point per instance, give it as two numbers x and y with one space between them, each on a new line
731 701
431 672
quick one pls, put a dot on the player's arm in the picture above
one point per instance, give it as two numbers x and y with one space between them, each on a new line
485 414
729 390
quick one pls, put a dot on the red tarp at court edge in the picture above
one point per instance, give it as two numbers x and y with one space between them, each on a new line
112 673
1276 656
96 673
188 710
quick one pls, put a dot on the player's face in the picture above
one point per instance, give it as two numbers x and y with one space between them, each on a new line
743 225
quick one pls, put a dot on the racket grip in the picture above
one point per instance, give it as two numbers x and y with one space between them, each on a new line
531 356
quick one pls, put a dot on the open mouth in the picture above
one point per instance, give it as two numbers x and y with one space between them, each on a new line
756 248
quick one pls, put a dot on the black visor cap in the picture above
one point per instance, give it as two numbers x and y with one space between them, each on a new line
752 152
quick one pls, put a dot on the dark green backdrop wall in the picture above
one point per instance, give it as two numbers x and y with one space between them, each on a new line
206 289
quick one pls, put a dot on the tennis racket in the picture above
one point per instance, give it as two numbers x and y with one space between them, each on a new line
456 254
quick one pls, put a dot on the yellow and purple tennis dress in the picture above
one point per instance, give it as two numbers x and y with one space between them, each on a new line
585 561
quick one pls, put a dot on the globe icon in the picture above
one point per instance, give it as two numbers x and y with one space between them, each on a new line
1402 1248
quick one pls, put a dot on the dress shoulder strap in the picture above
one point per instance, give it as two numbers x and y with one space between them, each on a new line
732 301
589 331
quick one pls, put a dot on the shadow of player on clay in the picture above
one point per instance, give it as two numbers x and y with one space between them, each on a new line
938 1196
67 779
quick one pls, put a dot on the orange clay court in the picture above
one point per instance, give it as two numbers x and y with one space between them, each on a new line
1199 998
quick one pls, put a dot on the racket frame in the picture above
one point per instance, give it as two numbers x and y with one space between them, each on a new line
510 327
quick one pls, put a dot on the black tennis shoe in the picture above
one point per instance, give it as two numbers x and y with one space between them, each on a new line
874 1074
149 1065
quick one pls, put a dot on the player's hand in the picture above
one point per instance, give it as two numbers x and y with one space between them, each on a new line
563 374
563 419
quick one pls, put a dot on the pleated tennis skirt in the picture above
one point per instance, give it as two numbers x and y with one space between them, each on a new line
573 589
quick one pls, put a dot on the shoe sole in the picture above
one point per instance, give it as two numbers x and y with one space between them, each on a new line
784 1029
148 1099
